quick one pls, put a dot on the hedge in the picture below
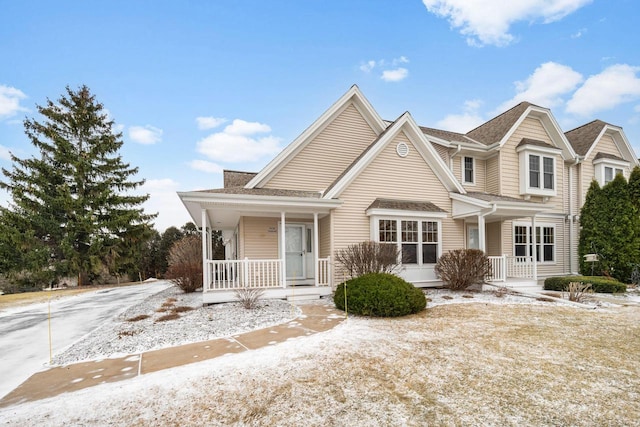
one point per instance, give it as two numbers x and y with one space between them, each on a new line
598 284
381 295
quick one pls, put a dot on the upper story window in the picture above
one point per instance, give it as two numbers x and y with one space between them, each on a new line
606 169
469 171
538 170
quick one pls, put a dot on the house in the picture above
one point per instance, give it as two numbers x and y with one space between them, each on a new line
512 187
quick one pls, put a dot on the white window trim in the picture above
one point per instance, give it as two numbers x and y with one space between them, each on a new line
542 153
375 234
473 170
600 165
529 244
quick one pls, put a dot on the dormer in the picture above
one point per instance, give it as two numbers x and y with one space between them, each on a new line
538 165
607 166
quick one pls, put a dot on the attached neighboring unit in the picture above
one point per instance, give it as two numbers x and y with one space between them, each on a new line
512 187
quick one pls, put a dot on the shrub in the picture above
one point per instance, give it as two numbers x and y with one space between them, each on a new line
461 268
598 284
368 257
381 295
185 263
249 297
576 291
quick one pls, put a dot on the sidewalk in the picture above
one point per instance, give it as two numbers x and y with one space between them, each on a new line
62 379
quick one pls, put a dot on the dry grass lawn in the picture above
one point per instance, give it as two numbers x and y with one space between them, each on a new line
459 364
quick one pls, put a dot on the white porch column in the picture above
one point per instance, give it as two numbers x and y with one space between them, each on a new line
205 267
481 234
535 247
315 248
283 253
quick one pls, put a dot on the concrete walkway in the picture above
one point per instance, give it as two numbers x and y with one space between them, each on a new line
61 379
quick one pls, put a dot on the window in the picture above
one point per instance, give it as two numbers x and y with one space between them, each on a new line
429 242
538 170
608 173
534 171
409 242
545 239
468 170
418 240
547 172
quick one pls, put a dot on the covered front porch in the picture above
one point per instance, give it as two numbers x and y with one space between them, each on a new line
484 216
272 241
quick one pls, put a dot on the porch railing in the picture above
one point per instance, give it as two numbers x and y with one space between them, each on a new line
255 273
503 267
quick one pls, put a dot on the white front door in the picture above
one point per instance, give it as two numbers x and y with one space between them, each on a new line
294 251
473 237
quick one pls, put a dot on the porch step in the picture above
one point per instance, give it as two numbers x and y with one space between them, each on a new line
294 298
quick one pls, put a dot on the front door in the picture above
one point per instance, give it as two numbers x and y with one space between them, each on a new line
294 251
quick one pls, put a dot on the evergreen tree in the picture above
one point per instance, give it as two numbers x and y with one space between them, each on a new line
591 237
73 203
621 228
634 187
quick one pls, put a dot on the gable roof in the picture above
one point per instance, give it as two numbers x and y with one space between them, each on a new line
585 138
404 123
495 129
352 96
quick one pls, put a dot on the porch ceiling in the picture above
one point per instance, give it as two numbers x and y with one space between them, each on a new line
225 210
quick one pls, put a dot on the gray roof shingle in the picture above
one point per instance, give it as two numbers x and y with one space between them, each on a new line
264 192
583 137
236 178
495 129
405 205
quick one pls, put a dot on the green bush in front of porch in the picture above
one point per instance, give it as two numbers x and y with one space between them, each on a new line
379 295
598 284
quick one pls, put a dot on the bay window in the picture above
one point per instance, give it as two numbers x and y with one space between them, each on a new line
538 170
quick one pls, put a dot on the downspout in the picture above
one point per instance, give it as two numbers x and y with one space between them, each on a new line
571 215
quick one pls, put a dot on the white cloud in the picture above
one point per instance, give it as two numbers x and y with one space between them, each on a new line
545 86
238 143
487 22
209 122
395 75
4 153
615 85
164 201
464 122
145 134
390 74
581 32
368 66
205 166
241 127
10 101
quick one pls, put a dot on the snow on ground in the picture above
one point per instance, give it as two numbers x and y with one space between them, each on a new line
125 335
502 361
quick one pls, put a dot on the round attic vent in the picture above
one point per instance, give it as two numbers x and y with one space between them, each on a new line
402 149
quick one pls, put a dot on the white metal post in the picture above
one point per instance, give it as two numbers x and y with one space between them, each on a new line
315 248
534 236
481 234
205 267
283 261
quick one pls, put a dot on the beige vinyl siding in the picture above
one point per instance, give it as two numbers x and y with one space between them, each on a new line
324 231
390 176
493 238
559 266
324 158
493 174
510 162
480 169
259 241
443 152
604 145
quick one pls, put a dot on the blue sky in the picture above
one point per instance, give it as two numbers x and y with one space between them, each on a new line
201 86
